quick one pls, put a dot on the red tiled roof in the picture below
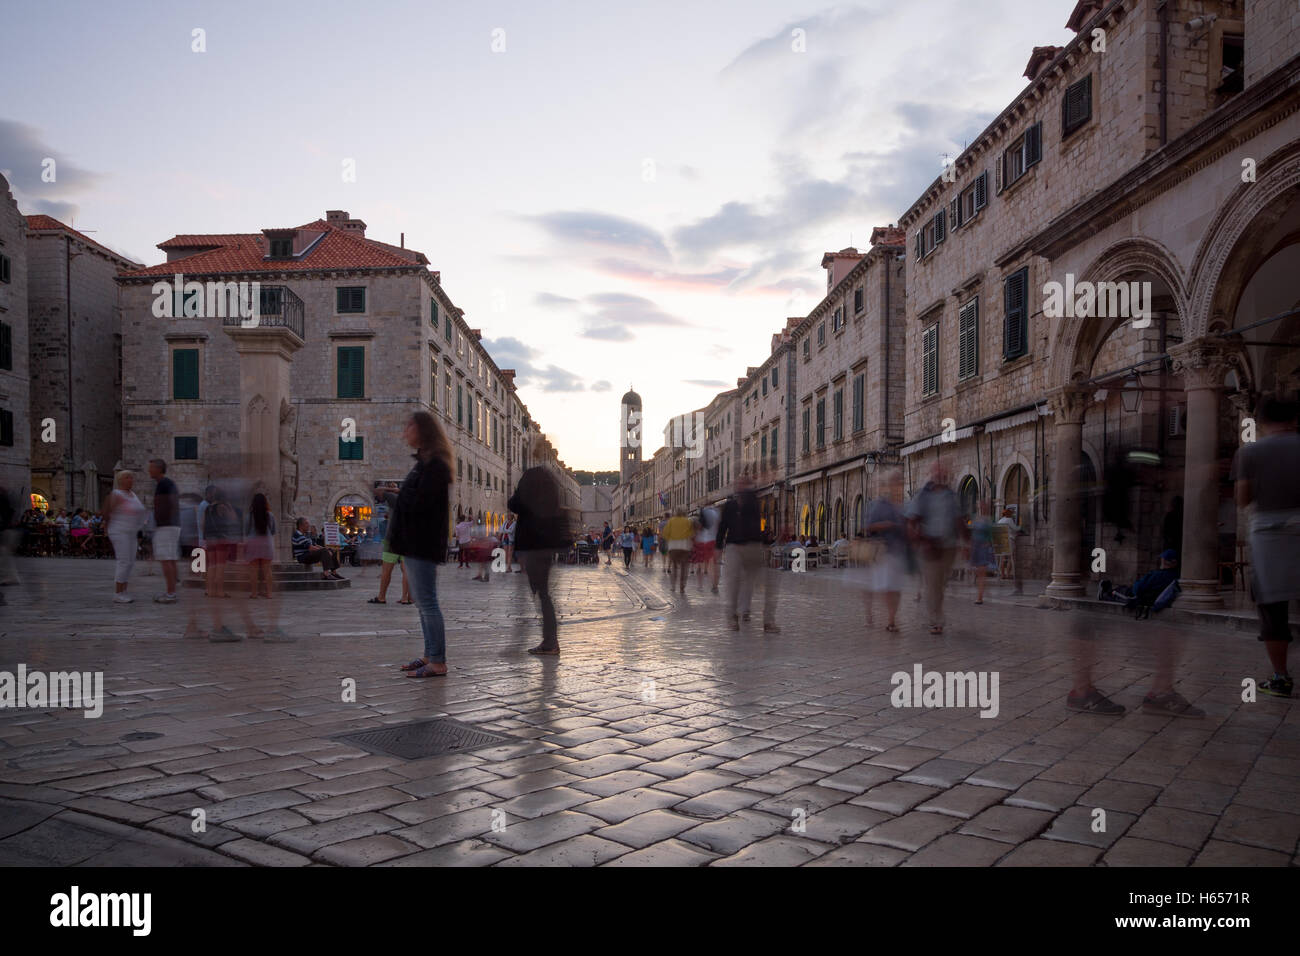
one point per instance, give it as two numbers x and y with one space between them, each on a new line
1041 56
889 236
41 223
242 253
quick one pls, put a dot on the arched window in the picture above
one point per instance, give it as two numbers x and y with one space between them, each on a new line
1015 493
839 517
803 521
859 518
968 495
821 523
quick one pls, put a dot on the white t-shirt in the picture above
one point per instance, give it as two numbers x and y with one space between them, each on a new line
128 513
708 526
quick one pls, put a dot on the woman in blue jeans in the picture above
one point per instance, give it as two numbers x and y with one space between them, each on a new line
418 532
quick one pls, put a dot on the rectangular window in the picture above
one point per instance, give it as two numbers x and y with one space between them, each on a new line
433 312
460 404
807 349
776 377
350 298
5 269
1015 321
351 371
762 455
281 248
930 361
776 430
857 301
972 199
6 346
821 423
1021 155
837 415
968 340
352 450
447 382
6 428
821 335
807 432
1076 106
446 328
837 320
765 386
859 401
185 448
185 374
271 300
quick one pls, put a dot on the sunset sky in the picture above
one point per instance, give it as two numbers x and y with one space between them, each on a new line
619 194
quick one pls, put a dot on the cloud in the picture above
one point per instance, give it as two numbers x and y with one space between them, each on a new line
628 309
25 153
706 382
510 352
549 300
608 333
601 386
62 211
603 232
668 278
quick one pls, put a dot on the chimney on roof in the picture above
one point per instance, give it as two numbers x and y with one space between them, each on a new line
889 235
339 219
839 264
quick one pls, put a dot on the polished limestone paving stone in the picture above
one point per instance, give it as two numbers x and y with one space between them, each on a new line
658 737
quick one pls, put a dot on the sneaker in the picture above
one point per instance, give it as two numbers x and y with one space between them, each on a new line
1276 686
1094 702
122 599
224 635
277 635
165 599
1172 704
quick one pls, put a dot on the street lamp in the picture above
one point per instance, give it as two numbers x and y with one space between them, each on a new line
1131 394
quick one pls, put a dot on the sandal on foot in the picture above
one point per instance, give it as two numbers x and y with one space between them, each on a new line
542 649
415 665
426 671
405 602
376 600
893 628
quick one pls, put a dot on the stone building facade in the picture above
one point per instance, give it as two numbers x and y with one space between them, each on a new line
75 355
1089 301
375 337
1089 418
15 389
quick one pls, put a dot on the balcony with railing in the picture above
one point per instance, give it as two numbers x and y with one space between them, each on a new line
277 307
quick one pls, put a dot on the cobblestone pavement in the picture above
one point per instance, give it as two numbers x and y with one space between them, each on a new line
659 737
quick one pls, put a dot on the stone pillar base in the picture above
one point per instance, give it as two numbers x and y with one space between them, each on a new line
1065 585
1200 595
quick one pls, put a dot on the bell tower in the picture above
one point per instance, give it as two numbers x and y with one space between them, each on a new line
629 436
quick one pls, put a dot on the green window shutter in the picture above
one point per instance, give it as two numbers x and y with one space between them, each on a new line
185 374
350 299
1076 106
1015 328
5 269
6 346
433 312
354 450
185 448
1033 144
968 340
930 360
447 326
6 428
351 371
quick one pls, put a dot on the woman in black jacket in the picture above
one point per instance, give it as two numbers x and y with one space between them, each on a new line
418 532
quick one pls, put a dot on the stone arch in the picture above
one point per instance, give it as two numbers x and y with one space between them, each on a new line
1014 459
1221 267
1081 339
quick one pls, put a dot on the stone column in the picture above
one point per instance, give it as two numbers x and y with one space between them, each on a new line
1068 406
1203 366
265 358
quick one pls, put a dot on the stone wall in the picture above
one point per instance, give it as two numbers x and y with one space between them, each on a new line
15 464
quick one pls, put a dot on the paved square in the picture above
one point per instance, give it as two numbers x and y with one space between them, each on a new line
659 737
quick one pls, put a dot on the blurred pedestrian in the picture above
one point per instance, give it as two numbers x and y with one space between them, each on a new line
418 532
887 549
387 495
167 527
740 542
11 535
679 536
1265 473
259 546
706 551
981 549
124 516
541 531
1008 520
936 524
627 544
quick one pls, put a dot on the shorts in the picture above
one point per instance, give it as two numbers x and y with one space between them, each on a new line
703 552
388 557
221 552
1273 621
166 541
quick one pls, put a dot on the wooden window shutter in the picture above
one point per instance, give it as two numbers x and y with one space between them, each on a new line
185 374
1013 335
982 190
6 346
1033 144
954 212
940 226
968 339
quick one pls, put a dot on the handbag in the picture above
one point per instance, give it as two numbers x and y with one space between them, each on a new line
866 551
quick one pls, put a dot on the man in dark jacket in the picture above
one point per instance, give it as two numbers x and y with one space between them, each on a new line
539 533
744 556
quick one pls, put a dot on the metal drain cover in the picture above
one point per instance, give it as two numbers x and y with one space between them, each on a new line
424 738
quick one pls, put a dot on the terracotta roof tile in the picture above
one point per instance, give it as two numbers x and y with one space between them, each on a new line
41 223
243 253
